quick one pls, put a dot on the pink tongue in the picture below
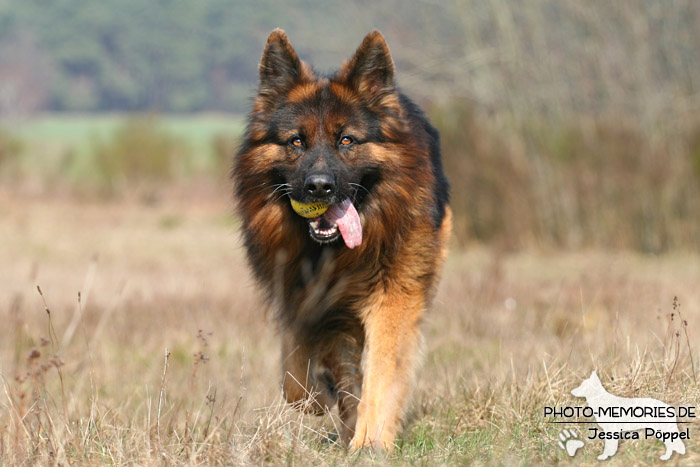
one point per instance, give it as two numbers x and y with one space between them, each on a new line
345 216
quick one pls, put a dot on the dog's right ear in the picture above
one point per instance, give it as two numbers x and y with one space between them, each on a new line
280 68
371 71
594 376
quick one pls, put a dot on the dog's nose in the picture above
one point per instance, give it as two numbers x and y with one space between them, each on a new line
319 185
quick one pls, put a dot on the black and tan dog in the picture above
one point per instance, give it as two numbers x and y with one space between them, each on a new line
350 284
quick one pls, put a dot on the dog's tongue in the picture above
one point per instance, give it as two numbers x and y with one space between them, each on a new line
345 216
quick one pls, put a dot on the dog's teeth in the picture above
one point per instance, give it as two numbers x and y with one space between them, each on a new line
323 234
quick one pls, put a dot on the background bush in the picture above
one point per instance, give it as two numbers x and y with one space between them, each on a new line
10 149
138 152
583 183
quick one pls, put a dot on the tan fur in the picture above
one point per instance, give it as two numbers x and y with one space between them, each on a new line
302 92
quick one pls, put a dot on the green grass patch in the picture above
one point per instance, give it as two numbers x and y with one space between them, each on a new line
77 148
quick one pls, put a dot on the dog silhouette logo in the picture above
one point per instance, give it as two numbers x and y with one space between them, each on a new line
624 417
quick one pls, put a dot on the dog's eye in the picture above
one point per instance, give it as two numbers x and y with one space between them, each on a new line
346 141
296 142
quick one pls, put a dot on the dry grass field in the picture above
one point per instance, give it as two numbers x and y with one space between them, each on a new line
89 383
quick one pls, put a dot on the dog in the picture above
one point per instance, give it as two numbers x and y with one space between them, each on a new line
349 286
656 422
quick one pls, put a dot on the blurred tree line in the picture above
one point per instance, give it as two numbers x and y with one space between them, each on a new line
164 55
127 55
551 57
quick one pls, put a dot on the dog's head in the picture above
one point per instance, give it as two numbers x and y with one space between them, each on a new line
324 138
589 387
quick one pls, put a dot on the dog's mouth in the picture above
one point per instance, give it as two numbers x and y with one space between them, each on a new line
340 220
323 231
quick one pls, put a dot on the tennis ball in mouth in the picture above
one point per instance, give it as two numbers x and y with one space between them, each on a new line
309 210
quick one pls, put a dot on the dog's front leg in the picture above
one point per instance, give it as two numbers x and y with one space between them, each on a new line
391 347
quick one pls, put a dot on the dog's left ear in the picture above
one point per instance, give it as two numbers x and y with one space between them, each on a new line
594 375
371 70
280 69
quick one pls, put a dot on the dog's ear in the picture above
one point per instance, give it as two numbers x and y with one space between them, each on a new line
594 376
280 68
371 71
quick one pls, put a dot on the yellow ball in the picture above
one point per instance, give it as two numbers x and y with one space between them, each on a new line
309 210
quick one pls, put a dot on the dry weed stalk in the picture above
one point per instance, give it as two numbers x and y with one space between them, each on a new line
672 342
161 394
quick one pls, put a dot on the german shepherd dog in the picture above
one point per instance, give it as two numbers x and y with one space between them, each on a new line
350 285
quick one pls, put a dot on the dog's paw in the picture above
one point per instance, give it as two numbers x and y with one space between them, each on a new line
371 444
570 442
